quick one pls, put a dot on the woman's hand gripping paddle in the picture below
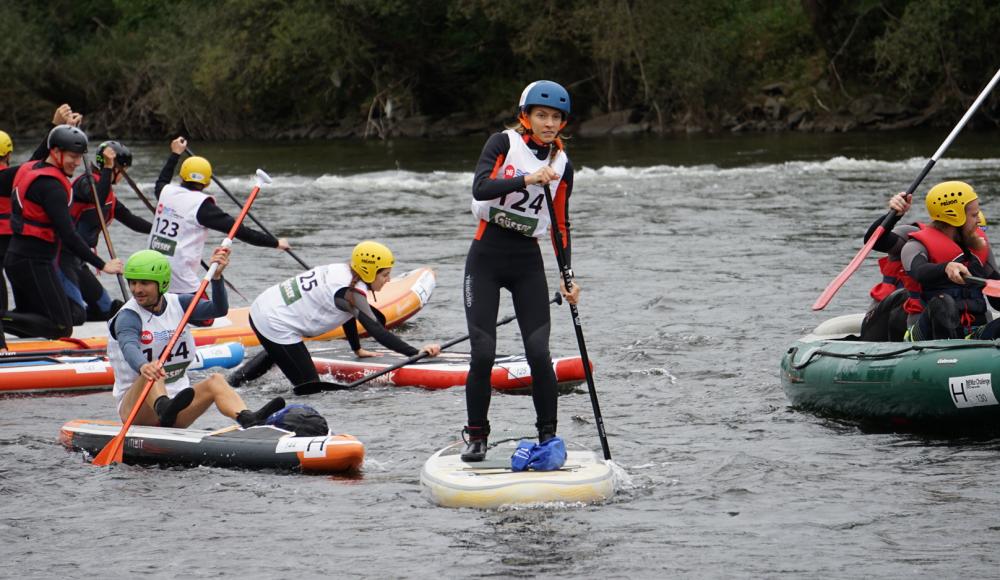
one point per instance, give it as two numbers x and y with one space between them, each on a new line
567 276
112 452
316 387
891 218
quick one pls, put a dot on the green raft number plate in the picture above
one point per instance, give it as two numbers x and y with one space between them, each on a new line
972 390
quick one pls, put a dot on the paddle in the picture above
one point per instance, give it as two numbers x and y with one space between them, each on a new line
112 452
99 209
319 386
891 218
150 207
252 218
990 287
567 276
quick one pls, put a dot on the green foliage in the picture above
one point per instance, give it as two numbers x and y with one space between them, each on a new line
941 50
235 68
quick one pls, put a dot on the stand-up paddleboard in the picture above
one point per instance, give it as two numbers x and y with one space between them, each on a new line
401 298
264 447
449 369
452 482
56 374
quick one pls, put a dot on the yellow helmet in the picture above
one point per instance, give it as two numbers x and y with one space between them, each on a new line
369 257
197 170
946 202
6 145
982 219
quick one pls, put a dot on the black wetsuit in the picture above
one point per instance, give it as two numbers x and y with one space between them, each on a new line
6 188
296 362
31 261
502 258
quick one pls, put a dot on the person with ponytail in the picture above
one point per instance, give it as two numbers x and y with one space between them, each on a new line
509 200
314 303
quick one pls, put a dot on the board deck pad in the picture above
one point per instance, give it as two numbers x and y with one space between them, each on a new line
452 482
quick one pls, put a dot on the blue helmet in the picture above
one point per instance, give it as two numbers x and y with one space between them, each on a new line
546 94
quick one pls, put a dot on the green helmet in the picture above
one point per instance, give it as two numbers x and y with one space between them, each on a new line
149 265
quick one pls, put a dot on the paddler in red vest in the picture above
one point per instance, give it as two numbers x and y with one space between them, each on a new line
88 298
886 317
63 115
939 256
41 224
140 331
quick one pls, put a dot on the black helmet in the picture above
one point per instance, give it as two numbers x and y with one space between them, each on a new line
67 138
123 157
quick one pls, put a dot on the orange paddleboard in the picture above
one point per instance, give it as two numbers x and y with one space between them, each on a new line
400 299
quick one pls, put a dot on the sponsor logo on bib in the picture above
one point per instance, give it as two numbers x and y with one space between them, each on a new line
146 338
509 172
518 223
163 245
289 290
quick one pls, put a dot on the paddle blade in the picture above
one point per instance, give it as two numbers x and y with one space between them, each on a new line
990 287
846 273
112 452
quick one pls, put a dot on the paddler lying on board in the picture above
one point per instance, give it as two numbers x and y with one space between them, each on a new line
939 257
889 314
139 333
316 302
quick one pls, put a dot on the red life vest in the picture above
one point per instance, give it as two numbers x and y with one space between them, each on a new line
77 208
892 277
5 216
941 249
29 218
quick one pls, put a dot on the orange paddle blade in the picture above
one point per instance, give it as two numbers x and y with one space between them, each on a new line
112 452
827 294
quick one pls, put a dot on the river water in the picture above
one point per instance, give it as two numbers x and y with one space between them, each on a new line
699 259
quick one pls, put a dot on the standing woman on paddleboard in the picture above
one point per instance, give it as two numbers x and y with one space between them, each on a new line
509 201
314 303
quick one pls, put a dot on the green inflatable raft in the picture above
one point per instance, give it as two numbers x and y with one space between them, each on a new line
940 385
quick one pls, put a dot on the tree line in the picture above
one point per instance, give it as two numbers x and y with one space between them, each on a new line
252 68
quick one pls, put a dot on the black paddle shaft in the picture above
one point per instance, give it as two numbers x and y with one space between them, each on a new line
315 387
567 276
99 208
250 215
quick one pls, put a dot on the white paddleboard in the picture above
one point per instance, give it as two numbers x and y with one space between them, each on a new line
452 482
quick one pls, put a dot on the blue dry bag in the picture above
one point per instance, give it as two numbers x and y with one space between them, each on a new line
302 420
548 456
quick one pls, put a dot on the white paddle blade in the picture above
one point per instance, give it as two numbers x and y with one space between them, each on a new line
263 178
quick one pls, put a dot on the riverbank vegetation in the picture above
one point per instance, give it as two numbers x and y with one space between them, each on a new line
376 68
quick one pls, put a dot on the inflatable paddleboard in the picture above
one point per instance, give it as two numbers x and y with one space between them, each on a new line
264 447
510 373
452 482
26 374
401 298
